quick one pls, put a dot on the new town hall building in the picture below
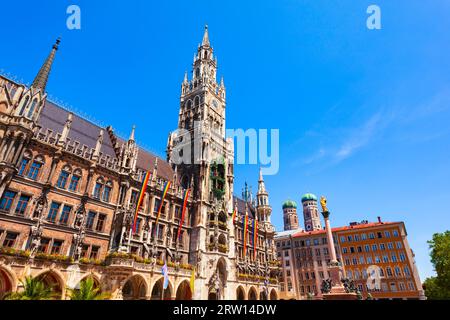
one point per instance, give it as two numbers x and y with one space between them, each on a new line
69 189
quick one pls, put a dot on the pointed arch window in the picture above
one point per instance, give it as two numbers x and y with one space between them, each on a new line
24 105
32 108
35 168
106 197
75 180
98 188
24 163
63 177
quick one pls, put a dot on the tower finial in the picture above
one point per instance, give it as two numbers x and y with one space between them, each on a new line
40 82
205 41
132 134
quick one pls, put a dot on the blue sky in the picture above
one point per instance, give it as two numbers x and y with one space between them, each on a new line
363 114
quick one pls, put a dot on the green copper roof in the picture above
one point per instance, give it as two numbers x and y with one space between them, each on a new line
309 197
289 204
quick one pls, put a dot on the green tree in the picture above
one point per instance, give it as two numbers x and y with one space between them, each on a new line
439 287
33 289
87 291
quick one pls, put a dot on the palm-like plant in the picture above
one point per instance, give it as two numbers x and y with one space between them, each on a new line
33 289
87 291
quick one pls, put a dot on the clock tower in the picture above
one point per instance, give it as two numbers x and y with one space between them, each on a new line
207 169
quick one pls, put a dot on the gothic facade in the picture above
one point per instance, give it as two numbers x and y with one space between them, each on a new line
69 191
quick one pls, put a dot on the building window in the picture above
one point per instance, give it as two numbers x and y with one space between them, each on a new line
10 239
344 250
43 247
393 287
74 182
356 237
64 219
107 192
23 166
374 247
90 220
84 251
390 246
399 245
98 190
35 168
349 238
7 199
369 259
389 272
101 223
56 247
385 259
367 248
395 233
402 257
387 234
411 286
398 272
22 205
133 199
53 212
363 236
352 249
382 246
62 180
371 235
94 252
394 257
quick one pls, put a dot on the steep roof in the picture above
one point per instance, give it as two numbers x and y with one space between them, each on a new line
54 117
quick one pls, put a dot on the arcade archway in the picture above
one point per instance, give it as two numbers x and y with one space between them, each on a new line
53 281
6 283
135 288
184 291
158 293
240 293
252 295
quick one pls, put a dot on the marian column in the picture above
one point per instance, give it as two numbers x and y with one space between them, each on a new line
335 290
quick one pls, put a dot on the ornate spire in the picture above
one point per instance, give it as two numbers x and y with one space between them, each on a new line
185 81
205 41
40 82
261 184
132 134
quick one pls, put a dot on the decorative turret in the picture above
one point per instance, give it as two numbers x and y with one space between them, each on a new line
262 200
129 153
32 100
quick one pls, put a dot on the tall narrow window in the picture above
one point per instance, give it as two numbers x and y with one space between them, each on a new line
23 166
53 212
7 199
98 189
22 205
75 181
107 192
65 214
62 180
90 220
24 105
35 168
101 223
33 106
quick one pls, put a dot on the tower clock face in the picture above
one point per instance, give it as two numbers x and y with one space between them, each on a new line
215 104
